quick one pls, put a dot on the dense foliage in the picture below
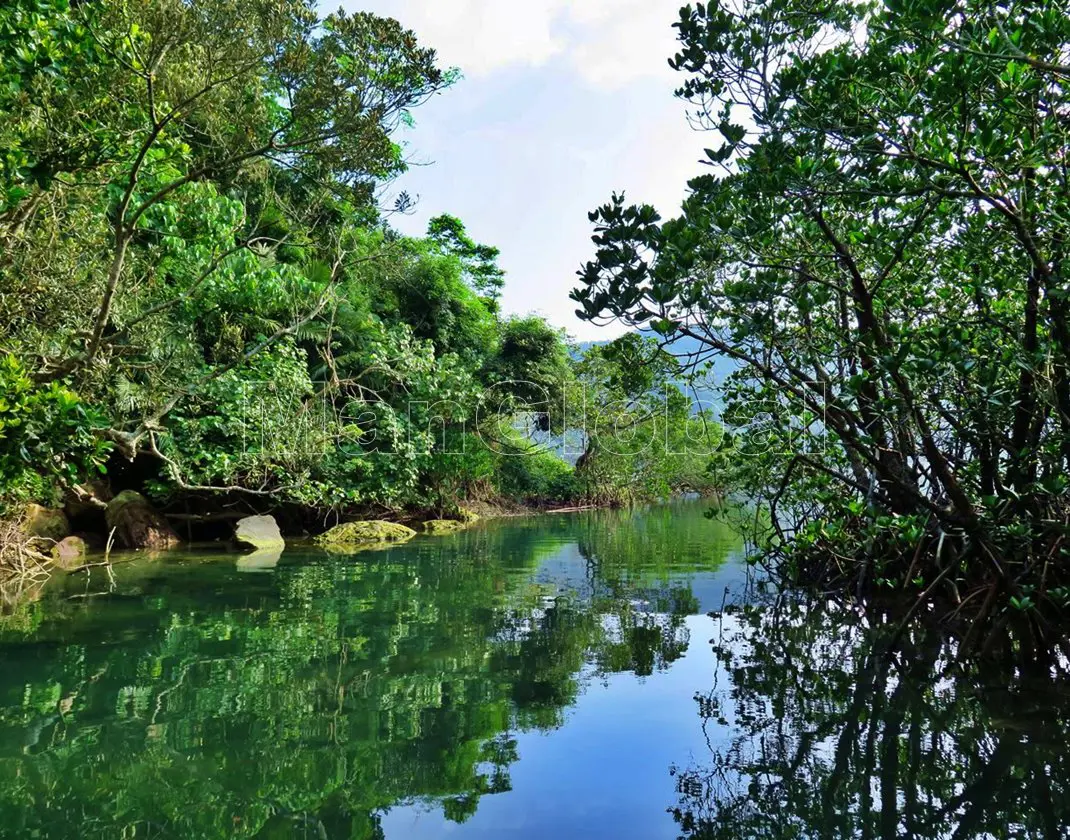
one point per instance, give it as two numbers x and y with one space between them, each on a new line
645 432
196 274
882 250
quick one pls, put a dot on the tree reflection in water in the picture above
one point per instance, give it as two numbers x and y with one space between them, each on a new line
821 726
196 701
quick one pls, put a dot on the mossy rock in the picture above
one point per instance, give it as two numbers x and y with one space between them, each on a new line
466 516
69 553
137 524
349 549
442 526
46 523
362 533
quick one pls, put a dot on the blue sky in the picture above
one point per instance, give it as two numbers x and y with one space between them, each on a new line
562 102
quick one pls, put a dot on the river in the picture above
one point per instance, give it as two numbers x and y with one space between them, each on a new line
609 674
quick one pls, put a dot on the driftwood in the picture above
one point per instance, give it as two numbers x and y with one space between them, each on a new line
207 517
573 509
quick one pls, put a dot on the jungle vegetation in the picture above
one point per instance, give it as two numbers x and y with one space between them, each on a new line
202 296
881 244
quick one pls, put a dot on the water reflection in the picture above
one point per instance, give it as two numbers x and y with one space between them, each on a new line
261 560
186 698
824 724
553 677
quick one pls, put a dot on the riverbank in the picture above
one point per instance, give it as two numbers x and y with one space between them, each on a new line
39 540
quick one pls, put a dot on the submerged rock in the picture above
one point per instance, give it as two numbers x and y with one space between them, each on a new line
360 533
138 524
442 526
46 523
69 553
259 532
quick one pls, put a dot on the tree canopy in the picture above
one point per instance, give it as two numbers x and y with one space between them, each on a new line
202 294
880 247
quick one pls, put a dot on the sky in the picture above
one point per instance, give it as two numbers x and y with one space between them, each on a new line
561 103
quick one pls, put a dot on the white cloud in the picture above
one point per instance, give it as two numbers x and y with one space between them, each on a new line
481 36
620 41
608 43
566 101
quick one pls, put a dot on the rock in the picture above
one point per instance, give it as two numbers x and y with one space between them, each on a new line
258 532
349 549
46 523
359 533
137 524
69 553
442 526
467 516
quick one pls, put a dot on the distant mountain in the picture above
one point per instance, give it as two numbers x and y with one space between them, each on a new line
690 349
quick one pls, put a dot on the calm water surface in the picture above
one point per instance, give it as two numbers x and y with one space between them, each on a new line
551 677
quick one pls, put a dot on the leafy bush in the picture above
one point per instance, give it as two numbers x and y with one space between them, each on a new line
47 436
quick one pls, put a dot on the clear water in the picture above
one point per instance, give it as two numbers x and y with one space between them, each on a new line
537 678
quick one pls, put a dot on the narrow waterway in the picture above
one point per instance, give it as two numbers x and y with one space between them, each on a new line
612 674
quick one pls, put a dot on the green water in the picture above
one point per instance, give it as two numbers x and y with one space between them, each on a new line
546 677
